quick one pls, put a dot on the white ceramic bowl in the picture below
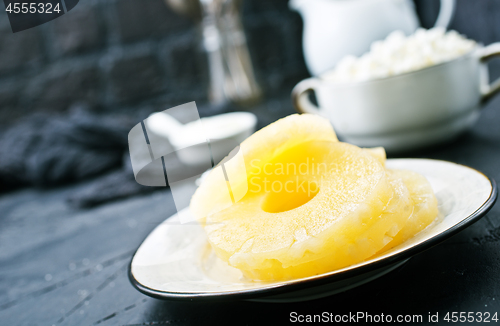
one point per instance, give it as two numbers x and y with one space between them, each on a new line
406 111
222 132
225 132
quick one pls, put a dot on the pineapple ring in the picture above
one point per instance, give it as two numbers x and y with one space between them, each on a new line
425 206
263 145
343 221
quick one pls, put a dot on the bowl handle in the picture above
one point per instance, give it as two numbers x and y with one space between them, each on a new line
489 90
300 96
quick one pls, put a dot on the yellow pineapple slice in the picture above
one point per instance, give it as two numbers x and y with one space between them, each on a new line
425 206
257 150
378 153
276 223
341 216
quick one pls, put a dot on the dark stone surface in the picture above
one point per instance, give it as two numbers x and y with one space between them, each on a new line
486 29
135 77
293 31
79 31
275 43
147 18
62 266
267 41
263 6
64 84
479 20
185 61
21 50
9 99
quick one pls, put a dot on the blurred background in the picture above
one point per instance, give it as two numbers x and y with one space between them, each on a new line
70 91
128 56
122 60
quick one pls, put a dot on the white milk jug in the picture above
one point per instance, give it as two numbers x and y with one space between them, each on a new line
336 28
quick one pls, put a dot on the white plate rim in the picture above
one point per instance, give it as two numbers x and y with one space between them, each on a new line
321 279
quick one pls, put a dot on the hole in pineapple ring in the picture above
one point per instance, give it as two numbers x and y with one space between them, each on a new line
286 195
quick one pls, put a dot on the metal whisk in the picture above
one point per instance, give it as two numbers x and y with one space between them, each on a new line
231 73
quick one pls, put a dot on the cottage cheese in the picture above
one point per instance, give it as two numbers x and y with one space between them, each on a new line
398 54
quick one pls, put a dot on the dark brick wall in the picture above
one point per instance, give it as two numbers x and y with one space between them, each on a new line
120 55
130 54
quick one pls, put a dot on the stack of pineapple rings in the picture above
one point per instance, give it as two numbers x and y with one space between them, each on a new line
310 204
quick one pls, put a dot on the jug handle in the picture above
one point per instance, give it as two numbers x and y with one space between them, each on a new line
489 90
300 96
446 12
